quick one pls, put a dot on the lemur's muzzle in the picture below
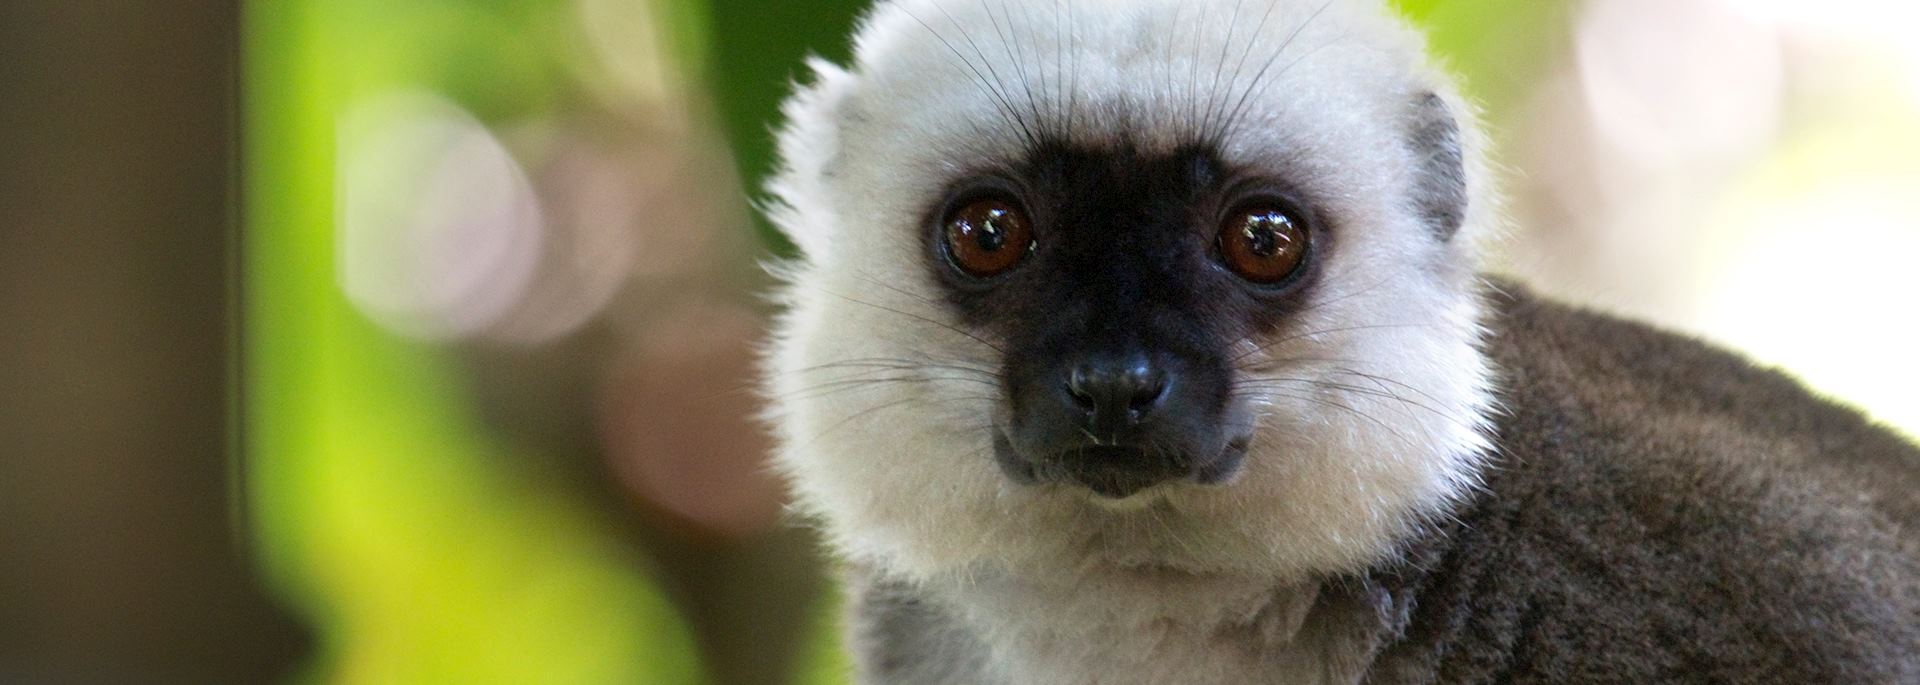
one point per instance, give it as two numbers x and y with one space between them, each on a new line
1117 424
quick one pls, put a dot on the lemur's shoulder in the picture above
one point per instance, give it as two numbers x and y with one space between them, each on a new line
1662 510
1650 395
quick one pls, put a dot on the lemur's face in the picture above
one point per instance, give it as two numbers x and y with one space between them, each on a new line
1155 283
1122 289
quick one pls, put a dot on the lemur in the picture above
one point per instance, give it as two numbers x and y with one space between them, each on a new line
1146 341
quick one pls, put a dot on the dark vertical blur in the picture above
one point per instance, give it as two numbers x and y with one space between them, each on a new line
753 82
118 560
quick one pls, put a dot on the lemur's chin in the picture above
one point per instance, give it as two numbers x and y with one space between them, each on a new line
1122 475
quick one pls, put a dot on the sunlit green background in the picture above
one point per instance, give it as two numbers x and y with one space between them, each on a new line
422 544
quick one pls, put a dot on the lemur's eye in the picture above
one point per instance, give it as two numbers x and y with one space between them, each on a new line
988 237
1263 243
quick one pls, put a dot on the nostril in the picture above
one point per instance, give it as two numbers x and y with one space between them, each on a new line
1148 395
1081 387
1081 399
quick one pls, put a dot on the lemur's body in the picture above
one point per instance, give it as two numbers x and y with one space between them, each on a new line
1142 342
1751 534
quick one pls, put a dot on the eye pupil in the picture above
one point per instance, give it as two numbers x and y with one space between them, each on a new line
1264 240
990 236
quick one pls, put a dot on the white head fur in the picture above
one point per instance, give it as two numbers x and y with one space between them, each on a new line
1386 422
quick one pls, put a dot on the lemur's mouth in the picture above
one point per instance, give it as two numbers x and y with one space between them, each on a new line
1119 471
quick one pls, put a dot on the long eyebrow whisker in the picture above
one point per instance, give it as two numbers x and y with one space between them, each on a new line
1233 122
1017 55
1167 74
968 37
1059 60
1252 40
1193 69
1259 78
1001 102
1226 46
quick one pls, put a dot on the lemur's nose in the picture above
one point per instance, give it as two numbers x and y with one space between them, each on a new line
1115 421
1118 390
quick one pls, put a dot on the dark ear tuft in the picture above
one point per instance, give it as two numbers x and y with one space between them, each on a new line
1440 186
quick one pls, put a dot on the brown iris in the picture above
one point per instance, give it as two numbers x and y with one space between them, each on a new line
987 238
1263 243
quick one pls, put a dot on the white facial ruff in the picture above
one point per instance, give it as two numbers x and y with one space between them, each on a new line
1373 397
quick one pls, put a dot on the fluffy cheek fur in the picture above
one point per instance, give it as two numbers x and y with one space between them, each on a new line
1371 399
1370 417
891 454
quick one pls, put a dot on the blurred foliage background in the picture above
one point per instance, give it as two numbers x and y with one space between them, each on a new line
370 342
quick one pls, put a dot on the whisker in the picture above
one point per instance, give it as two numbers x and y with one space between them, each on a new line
1004 105
1381 393
893 363
1263 383
869 411
831 388
977 52
1322 331
1384 379
1073 93
869 277
1252 40
1193 69
1018 57
1233 123
1059 60
1292 361
1219 67
918 317
1260 76
1345 296
1335 405
1166 64
871 368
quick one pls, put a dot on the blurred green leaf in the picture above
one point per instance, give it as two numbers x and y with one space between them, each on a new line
756 55
422 549
1499 48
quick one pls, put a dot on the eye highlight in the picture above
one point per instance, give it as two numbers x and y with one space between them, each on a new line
987 237
1263 243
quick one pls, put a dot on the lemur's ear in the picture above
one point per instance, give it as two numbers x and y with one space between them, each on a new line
809 146
1439 192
